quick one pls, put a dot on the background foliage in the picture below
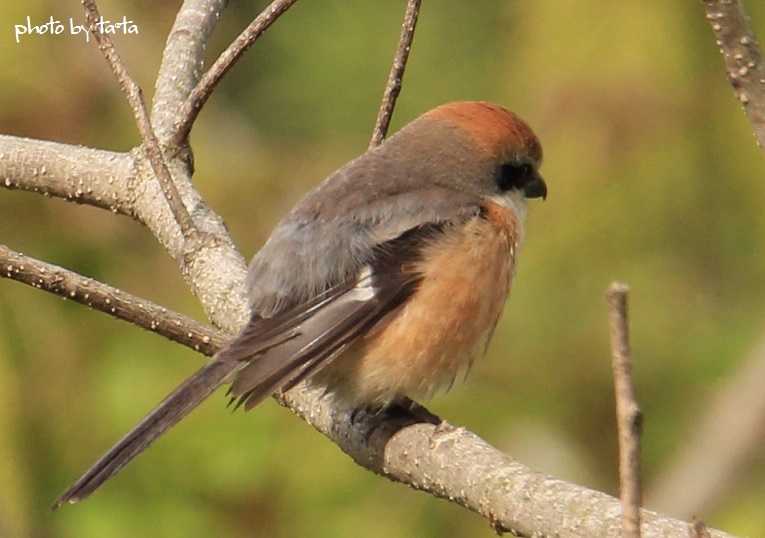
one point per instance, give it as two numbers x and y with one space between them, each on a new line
654 178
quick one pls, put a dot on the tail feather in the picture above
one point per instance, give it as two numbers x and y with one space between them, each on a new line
168 413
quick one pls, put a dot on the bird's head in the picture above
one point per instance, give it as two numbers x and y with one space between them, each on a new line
479 147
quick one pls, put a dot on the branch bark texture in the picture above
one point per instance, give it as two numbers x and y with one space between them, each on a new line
202 91
134 96
100 178
183 61
104 298
743 59
628 416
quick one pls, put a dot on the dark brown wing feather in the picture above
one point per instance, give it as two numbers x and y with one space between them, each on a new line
262 334
323 336
320 331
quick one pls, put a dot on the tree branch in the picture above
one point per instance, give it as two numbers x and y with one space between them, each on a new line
743 60
209 261
225 61
104 298
124 183
396 75
95 177
182 61
628 416
456 464
134 96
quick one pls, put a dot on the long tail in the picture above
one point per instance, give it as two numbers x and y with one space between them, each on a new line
168 413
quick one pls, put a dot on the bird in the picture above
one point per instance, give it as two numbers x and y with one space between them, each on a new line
385 282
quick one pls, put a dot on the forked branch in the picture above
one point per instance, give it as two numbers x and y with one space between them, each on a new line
182 61
204 88
134 96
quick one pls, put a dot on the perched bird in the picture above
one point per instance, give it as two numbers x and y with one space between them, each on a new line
385 282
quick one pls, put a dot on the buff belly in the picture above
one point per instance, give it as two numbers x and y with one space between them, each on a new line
435 336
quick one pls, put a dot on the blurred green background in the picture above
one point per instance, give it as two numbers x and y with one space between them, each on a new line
654 178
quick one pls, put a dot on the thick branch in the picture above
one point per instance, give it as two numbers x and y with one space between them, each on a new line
182 61
204 251
225 61
628 416
743 60
135 97
123 183
455 464
396 75
95 177
117 303
212 267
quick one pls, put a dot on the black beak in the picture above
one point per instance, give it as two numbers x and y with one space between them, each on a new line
536 188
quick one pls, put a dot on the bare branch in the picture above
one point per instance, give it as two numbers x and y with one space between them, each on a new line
124 183
135 97
182 61
212 266
117 303
629 418
743 60
456 464
95 177
727 436
225 61
396 75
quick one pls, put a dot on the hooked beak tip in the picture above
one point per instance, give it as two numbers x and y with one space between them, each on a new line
536 188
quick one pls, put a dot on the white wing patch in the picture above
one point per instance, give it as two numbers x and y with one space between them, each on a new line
365 288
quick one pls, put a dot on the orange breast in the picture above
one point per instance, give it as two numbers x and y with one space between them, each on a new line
435 336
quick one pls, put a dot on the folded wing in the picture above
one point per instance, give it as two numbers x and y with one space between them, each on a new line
278 352
310 336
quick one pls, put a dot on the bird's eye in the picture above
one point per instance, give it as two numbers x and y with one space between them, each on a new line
514 176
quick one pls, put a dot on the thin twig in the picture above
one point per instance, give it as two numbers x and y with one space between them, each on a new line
134 96
743 59
396 75
629 418
204 88
102 297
